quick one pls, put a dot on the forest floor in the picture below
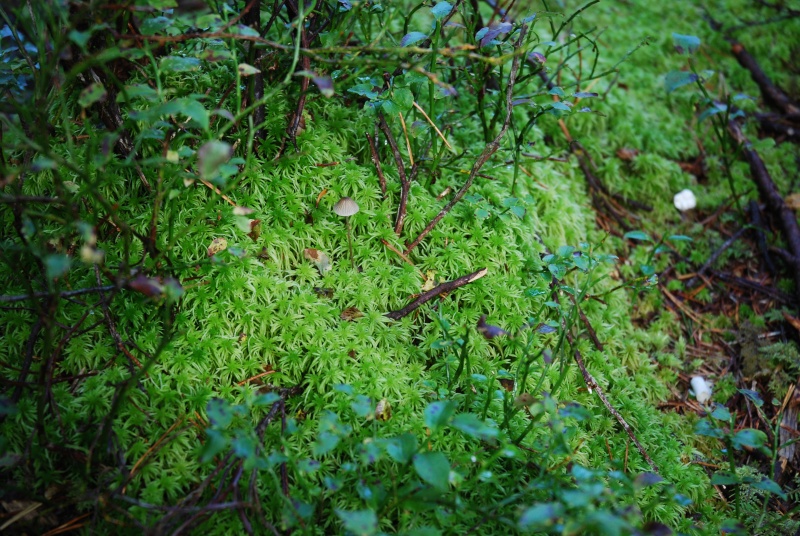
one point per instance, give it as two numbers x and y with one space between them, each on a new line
526 325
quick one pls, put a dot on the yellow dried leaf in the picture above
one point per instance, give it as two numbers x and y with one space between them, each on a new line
430 281
383 411
320 260
793 201
217 245
350 314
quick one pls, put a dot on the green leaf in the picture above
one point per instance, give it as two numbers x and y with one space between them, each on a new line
438 414
749 437
194 110
360 522
724 478
433 468
540 516
685 44
706 428
647 479
403 98
7 407
326 442
155 25
211 156
411 38
754 397
91 94
179 64
441 10
365 90
219 413
679 238
266 399
675 79
215 443
770 486
637 235
401 448
481 213
473 426
721 413
56 265
362 406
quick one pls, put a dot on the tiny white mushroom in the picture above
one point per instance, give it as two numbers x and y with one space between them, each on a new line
685 200
702 389
345 208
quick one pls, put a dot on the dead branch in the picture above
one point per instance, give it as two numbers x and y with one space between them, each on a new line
405 183
375 160
772 94
592 384
487 153
428 296
775 203
65 294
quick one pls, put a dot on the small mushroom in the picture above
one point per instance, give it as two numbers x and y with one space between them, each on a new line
345 208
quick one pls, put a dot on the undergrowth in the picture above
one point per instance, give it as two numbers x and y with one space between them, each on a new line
187 347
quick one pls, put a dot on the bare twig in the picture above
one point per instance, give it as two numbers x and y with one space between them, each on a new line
375 160
592 384
405 182
487 153
65 294
428 296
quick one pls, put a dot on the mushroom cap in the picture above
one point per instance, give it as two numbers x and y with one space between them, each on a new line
345 207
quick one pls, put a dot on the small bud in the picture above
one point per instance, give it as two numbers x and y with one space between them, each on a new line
489 331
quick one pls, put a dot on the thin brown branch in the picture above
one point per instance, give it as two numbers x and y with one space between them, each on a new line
487 153
592 384
375 160
428 296
405 183
65 294
774 95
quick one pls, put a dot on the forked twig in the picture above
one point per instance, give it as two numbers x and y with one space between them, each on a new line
487 153
428 296
405 182
375 160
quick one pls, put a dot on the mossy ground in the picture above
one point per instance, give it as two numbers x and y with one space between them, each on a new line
262 312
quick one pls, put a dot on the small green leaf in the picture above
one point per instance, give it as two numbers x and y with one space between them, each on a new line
91 94
770 486
359 522
438 414
194 110
679 238
266 399
721 413
401 448
441 10
433 468
749 438
411 38
211 156
706 428
179 64
637 235
56 265
215 443
403 98
754 397
540 516
326 442
685 44
155 25
219 413
675 79
724 478
473 426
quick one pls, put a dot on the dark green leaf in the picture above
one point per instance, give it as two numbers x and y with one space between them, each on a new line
753 396
540 516
401 448
749 438
473 426
56 265
215 443
438 414
433 468
770 486
219 413
211 156
359 522
646 479
679 238
706 427
326 442
91 94
155 25
724 478
721 413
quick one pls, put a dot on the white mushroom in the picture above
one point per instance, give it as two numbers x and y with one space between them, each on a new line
702 389
685 200
345 208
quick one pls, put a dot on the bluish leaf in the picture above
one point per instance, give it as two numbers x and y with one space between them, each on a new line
359 522
56 265
401 448
675 79
685 44
724 478
637 235
438 414
754 397
770 486
474 426
411 38
179 64
540 516
441 10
